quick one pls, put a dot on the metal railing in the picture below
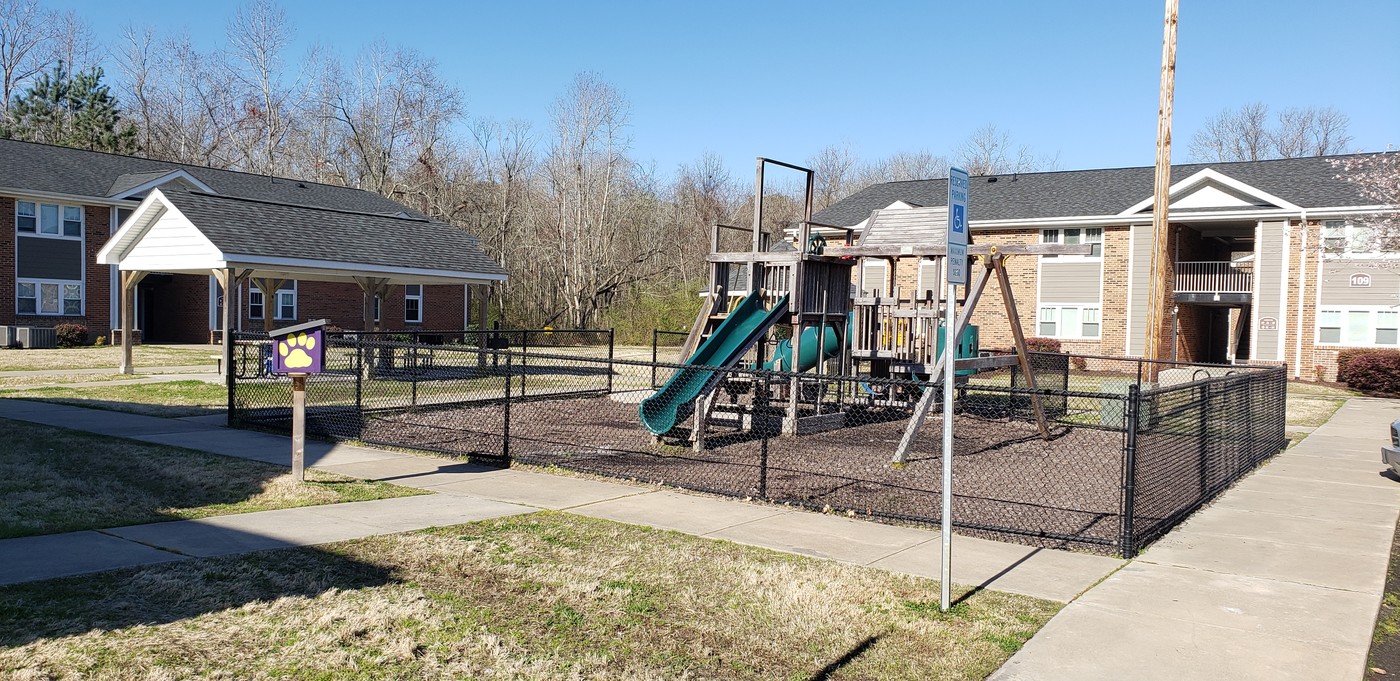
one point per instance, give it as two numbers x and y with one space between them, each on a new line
1214 277
1128 457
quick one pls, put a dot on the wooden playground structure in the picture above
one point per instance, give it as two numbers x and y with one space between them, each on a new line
836 333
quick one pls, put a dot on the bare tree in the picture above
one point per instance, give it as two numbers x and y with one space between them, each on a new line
26 36
1377 178
1246 134
74 42
258 34
990 151
833 170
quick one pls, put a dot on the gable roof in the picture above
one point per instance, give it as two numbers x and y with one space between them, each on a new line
248 232
1310 182
30 166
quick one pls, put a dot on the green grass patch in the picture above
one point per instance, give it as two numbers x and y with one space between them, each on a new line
58 480
171 399
608 601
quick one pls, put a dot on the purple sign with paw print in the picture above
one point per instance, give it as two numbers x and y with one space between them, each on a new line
299 349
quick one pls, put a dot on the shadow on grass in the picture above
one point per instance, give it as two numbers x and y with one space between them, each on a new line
125 407
841 662
170 592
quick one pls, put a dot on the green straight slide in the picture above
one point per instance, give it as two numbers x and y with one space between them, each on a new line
725 347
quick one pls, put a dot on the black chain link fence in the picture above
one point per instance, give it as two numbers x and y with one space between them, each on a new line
1126 449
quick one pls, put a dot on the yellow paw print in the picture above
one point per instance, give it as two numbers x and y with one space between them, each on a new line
293 354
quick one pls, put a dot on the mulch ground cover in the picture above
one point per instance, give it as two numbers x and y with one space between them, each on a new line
1009 482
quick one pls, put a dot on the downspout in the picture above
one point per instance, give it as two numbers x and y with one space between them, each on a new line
1302 284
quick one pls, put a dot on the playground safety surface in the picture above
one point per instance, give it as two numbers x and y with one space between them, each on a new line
1009 482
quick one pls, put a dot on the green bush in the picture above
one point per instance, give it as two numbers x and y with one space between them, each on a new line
71 335
1370 370
668 306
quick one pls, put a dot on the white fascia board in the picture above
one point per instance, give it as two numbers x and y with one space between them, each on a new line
1210 174
346 270
67 198
142 217
172 175
150 211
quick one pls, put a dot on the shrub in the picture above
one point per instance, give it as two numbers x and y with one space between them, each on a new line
71 335
1080 363
1371 370
1037 344
100 341
1344 359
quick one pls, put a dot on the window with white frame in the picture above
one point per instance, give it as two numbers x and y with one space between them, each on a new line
49 219
875 278
284 303
1074 236
1359 326
55 298
1344 237
1068 321
413 303
930 281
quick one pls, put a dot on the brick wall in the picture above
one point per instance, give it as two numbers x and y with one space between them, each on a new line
7 260
343 305
97 289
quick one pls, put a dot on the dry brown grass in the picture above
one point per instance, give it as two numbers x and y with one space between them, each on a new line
1311 412
107 357
544 596
57 480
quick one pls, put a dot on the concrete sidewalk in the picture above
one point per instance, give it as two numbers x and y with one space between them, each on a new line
1280 578
468 492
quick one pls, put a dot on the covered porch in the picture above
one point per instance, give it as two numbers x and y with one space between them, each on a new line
268 244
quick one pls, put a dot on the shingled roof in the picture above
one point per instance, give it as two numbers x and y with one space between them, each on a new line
29 166
247 227
1311 182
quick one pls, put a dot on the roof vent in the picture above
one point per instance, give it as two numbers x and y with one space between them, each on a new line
301 185
991 179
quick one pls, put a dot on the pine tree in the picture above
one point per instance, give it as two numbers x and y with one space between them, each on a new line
71 110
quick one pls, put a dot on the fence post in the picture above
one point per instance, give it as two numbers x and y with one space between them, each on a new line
655 334
761 379
505 425
1204 438
1133 408
412 358
230 380
524 359
360 375
610 360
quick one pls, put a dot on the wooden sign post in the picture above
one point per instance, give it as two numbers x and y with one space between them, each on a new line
298 352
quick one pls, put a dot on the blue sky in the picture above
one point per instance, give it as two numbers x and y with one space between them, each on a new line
1074 79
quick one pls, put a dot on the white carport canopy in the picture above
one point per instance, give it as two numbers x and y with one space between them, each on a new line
192 232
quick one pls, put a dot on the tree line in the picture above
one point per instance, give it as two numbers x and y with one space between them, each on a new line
590 234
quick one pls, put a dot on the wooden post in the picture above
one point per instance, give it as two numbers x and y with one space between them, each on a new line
229 279
269 289
129 280
299 427
1004 282
974 294
1161 258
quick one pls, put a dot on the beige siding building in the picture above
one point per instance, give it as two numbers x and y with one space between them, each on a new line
1269 260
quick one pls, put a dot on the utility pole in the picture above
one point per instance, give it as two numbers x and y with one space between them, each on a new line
1161 256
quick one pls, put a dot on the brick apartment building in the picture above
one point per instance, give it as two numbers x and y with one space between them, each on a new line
1271 260
60 207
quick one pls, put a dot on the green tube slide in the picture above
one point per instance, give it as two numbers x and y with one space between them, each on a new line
782 355
725 347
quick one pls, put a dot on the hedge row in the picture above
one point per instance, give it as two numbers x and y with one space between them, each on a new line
1370 370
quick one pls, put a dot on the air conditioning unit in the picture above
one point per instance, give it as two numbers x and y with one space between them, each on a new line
36 337
7 337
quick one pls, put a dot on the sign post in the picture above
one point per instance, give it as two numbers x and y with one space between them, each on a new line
298 352
957 274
